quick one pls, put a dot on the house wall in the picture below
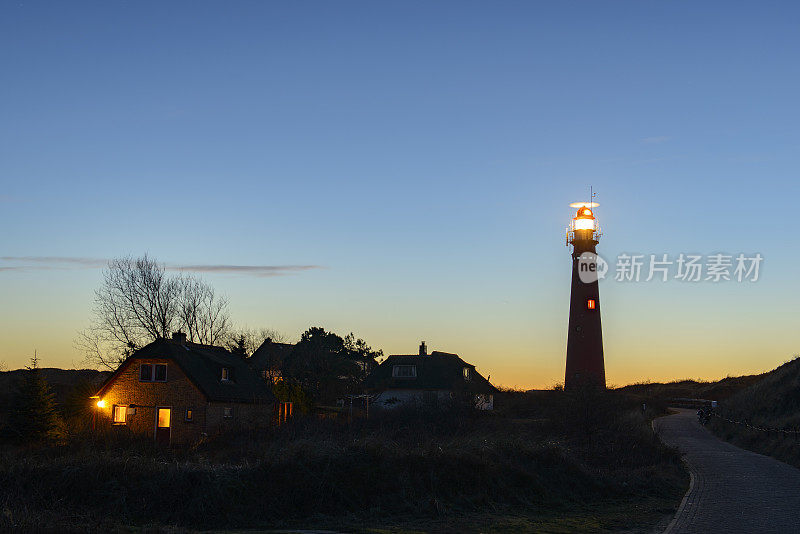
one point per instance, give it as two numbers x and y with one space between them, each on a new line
394 398
178 393
249 415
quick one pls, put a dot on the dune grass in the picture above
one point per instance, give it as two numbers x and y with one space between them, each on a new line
774 403
545 462
692 388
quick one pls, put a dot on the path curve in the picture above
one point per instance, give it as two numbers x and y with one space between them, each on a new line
732 490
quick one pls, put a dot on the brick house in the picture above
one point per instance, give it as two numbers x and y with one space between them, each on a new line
434 380
177 391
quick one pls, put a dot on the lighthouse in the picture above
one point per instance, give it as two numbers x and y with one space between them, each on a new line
585 365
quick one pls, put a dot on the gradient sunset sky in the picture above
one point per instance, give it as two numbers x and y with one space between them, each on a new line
403 170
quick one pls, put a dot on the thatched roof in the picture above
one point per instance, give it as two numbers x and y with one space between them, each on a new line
439 370
203 364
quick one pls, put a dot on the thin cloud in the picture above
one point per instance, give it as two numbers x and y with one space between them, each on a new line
55 262
655 140
50 263
260 271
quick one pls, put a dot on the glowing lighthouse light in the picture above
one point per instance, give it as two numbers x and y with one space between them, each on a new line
584 219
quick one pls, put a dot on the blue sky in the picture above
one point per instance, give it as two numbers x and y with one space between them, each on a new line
422 155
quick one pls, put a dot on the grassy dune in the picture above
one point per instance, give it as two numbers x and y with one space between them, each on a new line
772 402
692 389
544 462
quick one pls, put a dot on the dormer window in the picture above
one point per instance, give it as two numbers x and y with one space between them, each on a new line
226 373
404 371
466 373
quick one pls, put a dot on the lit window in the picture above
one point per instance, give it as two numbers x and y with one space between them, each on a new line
591 304
160 373
120 415
163 417
227 413
466 373
404 371
189 416
226 373
146 372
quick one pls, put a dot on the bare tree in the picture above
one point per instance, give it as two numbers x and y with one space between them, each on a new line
99 350
203 313
139 302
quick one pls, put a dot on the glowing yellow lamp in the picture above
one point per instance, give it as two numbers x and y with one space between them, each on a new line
583 224
101 403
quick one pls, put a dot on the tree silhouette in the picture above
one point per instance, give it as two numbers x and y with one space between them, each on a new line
326 365
139 302
34 416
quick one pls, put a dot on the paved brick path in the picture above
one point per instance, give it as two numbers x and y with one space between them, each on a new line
732 490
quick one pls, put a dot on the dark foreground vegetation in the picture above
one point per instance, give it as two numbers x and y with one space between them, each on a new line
771 408
544 462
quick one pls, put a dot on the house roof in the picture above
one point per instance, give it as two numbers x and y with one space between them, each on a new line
270 355
439 370
203 365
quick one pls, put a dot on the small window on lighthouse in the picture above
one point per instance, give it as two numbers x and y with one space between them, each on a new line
590 304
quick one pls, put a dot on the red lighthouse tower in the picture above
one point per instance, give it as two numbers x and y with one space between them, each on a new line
585 365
